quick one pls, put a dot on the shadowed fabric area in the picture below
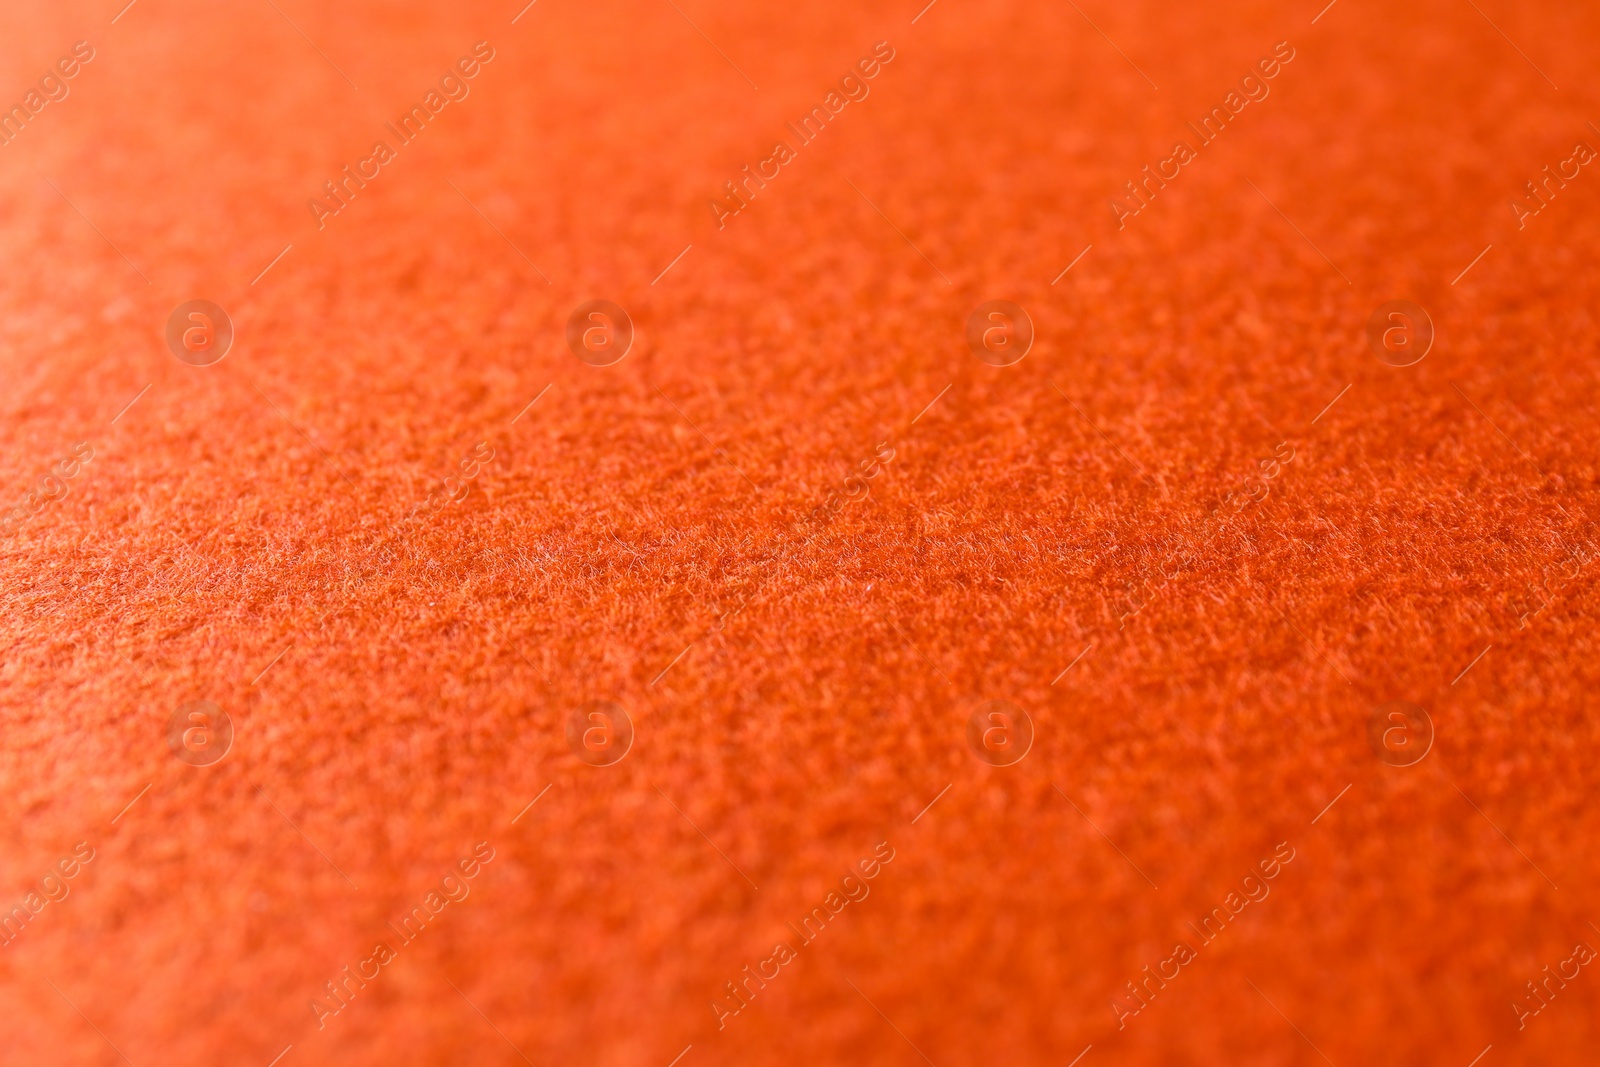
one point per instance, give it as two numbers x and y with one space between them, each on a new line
415 549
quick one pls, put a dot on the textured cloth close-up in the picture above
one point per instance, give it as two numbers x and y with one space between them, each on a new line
672 533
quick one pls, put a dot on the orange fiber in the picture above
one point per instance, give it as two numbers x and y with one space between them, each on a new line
680 533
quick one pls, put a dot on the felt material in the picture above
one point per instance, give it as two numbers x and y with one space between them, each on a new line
1200 490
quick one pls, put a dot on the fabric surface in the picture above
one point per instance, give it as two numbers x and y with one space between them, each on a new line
1237 567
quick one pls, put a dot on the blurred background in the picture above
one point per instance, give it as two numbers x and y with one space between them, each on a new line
385 591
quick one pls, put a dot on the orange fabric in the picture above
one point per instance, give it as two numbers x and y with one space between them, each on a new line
400 534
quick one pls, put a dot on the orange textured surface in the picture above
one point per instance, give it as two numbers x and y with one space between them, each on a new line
1198 534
